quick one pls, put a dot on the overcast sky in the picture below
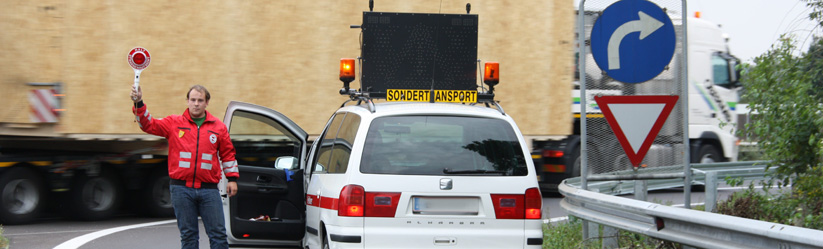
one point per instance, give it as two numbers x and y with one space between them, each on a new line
752 25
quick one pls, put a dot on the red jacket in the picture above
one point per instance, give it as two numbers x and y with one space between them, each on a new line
193 151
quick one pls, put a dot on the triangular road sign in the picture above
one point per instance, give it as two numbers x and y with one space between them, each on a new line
636 120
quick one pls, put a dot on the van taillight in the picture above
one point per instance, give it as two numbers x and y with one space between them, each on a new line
381 204
508 206
351 201
526 206
356 202
534 203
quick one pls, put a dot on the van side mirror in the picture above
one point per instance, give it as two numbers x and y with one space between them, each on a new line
285 162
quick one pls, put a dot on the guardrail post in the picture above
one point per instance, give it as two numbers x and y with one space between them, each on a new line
641 189
711 191
609 237
591 230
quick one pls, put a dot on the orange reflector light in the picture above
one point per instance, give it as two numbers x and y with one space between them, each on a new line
697 14
347 69
491 75
554 168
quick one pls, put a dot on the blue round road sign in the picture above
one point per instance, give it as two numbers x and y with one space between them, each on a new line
633 41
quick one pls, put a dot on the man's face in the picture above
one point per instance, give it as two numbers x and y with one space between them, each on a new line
197 104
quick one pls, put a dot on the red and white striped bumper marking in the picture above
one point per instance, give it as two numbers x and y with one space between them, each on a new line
43 103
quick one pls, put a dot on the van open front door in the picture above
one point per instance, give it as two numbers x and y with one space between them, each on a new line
269 208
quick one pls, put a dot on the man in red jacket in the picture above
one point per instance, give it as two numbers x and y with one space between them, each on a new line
198 143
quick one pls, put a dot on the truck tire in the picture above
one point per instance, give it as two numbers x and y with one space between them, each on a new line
708 153
155 197
94 197
22 193
575 162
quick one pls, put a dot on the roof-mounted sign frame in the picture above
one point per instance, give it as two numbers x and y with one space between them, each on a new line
420 57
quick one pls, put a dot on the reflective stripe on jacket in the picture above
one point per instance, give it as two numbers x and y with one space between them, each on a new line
193 152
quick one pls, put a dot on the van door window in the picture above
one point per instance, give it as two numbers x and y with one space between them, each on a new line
324 151
342 146
259 140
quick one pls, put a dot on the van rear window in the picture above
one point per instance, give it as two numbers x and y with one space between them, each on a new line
442 145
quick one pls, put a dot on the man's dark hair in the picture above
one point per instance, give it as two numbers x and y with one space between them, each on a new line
199 88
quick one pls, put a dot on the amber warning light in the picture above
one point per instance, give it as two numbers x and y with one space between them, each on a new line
346 73
491 75
347 70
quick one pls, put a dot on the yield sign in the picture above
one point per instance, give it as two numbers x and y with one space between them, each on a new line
636 120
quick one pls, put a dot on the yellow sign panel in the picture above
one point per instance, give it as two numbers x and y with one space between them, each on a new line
454 96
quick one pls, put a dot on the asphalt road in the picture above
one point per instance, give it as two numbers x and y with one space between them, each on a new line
128 231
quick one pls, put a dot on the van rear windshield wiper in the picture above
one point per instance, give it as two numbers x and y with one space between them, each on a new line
472 171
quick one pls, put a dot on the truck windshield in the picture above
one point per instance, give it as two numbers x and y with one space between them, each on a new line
442 145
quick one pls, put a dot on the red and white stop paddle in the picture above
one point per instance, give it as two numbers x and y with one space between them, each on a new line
139 59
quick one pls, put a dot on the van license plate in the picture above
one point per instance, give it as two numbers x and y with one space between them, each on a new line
446 205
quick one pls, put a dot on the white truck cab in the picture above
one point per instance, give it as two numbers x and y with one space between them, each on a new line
713 94
436 164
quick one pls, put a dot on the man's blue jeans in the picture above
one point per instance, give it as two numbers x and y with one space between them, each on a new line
188 204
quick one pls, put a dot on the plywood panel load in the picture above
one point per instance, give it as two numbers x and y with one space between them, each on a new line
280 54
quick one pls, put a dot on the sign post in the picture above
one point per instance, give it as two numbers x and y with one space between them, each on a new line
139 60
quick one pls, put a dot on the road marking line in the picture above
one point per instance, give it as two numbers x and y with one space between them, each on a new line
555 219
82 240
44 233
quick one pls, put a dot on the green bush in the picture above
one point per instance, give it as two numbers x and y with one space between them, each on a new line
784 88
783 208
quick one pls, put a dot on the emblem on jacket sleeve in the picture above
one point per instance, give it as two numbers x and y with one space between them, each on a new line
213 138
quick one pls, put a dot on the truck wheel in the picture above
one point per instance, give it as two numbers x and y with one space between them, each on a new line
155 196
708 153
94 197
575 162
22 191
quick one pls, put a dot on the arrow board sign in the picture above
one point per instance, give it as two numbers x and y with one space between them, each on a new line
633 41
636 120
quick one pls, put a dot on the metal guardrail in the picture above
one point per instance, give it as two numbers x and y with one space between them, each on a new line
752 170
686 226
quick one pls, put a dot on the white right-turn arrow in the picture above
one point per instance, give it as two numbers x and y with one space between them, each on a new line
646 25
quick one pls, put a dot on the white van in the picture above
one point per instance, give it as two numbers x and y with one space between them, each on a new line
410 172
408 175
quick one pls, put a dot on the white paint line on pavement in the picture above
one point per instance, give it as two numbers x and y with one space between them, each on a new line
82 240
555 219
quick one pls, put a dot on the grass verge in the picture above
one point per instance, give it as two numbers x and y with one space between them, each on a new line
568 234
4 242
